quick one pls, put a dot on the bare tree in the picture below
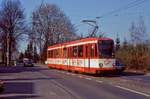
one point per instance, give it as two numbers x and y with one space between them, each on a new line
50 26
142 29
138 32
12 26
134 54
133 32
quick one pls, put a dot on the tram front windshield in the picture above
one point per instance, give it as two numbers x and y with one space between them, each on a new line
105 48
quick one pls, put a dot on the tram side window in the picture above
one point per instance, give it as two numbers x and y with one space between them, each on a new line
86 51
71 52
93 50
54 53
80 51
57 53
64 52
75 51
68 52
50 54
96 54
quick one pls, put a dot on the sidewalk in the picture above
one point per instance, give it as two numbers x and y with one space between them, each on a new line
29 83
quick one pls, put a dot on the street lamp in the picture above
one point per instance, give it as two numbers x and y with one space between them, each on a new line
7 53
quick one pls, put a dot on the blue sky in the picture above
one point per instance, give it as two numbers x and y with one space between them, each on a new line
78 10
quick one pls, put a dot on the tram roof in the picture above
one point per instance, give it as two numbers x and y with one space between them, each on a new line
78 42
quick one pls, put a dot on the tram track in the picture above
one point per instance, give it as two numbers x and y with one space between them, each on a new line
104 80
61 86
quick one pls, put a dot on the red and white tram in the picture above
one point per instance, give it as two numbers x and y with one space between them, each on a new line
91 55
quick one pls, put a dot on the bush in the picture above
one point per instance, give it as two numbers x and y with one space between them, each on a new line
137 58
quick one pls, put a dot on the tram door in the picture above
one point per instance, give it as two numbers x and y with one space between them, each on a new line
91 54
87 56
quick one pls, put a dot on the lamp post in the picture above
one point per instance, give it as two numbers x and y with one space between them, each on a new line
7 54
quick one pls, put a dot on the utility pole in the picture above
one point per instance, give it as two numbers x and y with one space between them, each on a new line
7 54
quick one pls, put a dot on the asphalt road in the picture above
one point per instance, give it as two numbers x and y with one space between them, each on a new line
39 82
137 76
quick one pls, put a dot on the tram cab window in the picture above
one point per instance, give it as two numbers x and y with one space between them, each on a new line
106 48
80 51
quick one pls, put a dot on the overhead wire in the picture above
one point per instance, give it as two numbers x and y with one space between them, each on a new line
130 5
125 7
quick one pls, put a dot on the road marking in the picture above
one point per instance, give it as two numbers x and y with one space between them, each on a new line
63 72
15 95
73 74
110 83
99 81
53 93
59 71
68 73
88 78
131 78
66 89
80 76
147 75
144 94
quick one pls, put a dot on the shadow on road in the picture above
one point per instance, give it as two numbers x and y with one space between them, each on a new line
30 79
132 74
19 87
19 97
18 90
18 69
115 74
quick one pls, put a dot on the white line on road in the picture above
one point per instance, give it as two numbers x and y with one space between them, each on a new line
80 76
68 73
73 74
59 71
147 75
99 81
131 78
62 72
88 78
52 93
144 94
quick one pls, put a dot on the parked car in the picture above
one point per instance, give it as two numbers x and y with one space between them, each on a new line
19 62
120 66
28 62
1 86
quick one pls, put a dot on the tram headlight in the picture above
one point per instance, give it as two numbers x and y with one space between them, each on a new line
100 65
